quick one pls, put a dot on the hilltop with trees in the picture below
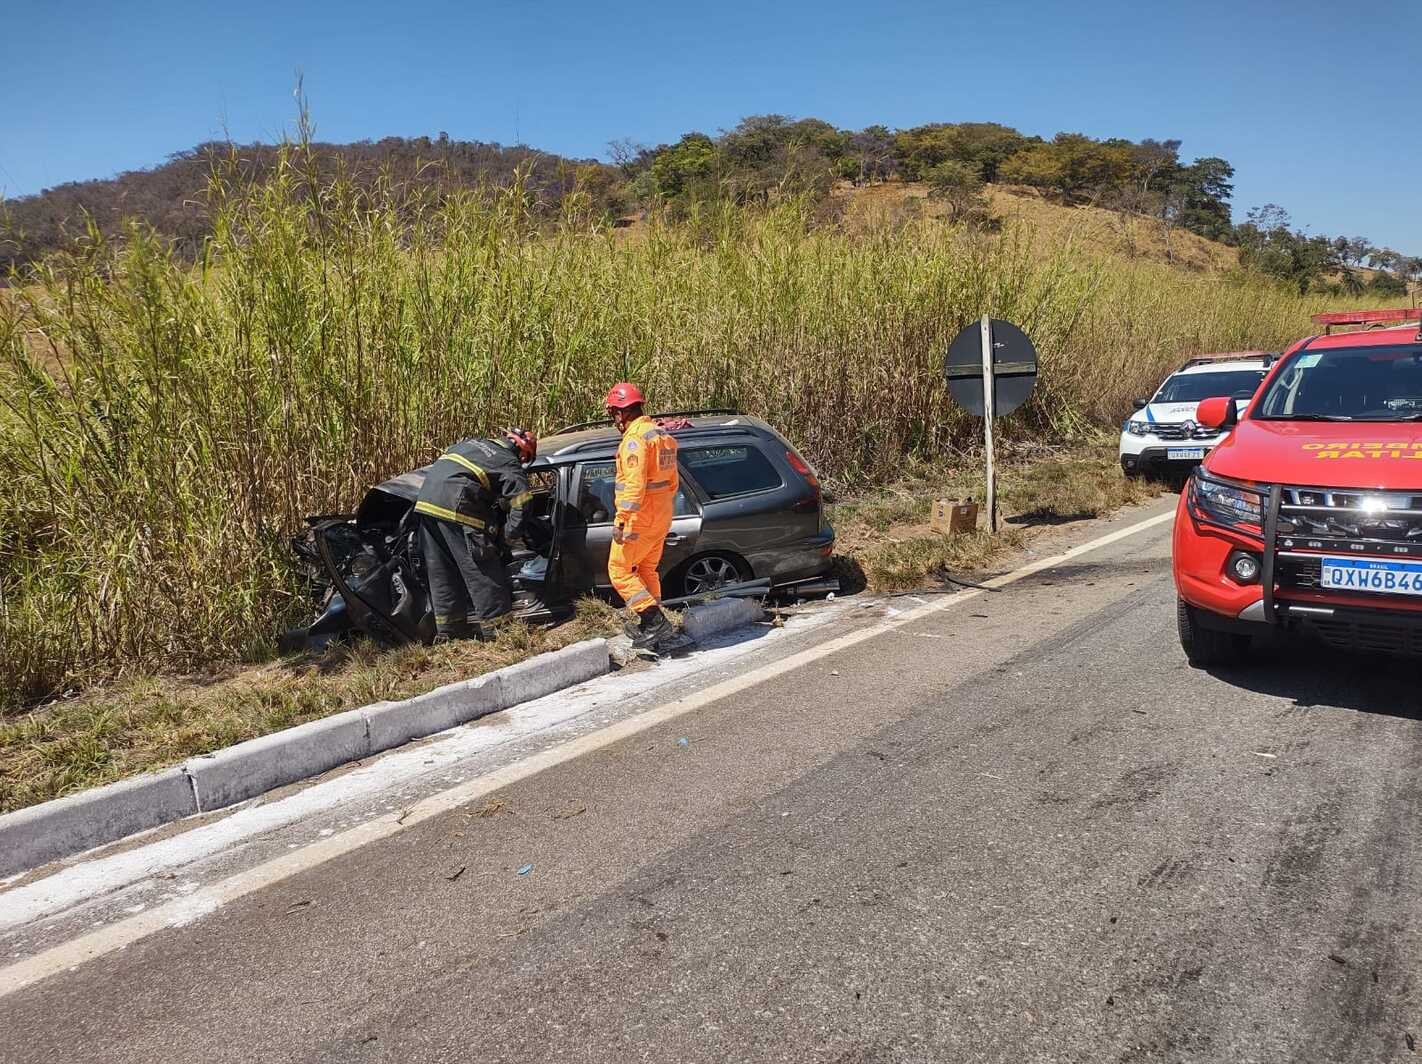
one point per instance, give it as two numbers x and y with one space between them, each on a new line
764 159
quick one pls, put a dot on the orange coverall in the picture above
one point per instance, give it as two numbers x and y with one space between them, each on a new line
645 497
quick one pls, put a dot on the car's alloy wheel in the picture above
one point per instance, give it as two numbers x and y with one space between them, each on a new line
709 573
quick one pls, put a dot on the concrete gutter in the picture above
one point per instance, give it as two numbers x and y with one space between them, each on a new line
40 833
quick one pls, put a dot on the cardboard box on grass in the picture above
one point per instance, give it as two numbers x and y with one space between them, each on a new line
954 517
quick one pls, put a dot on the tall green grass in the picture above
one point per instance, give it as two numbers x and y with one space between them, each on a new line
164 427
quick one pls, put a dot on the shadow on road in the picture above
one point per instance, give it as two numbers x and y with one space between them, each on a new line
1044 517
1311 674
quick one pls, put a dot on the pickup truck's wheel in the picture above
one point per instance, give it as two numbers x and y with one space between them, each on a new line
707 572
1207 646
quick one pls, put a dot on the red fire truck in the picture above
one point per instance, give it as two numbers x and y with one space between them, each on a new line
1307 517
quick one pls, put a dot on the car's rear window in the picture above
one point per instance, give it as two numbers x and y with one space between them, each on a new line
1193 387
726 471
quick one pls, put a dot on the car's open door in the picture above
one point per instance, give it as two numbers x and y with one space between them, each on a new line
542 593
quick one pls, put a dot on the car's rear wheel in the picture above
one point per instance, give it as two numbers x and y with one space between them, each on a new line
707 572
1203 646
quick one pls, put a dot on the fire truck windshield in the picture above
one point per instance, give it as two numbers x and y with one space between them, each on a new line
1347 384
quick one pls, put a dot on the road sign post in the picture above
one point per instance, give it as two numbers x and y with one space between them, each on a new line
991 369
989 387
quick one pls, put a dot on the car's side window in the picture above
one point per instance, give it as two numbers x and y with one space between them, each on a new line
597 494
723 472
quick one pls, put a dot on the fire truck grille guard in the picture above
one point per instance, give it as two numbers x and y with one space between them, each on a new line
1314 521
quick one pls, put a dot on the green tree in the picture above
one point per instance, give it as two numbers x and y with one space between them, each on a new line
869 156
1204 191
688 167
960 186
1269 243
1074 166
986 145
767 153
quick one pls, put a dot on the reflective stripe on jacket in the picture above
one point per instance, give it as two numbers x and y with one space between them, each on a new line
646 480
471 484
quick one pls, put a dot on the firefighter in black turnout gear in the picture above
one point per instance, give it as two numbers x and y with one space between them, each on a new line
463 530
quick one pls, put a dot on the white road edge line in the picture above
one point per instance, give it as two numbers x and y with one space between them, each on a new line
69 955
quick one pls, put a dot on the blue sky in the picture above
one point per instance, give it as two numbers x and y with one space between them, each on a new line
1287 92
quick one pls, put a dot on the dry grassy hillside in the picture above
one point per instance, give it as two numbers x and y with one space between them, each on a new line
1054 224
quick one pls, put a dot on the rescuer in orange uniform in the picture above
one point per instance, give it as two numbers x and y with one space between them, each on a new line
645 486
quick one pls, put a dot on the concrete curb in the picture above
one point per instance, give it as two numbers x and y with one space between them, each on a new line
44 832
720 616
40 833
239 772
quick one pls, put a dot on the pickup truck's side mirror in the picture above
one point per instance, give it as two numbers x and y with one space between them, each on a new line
1218 412
1139 404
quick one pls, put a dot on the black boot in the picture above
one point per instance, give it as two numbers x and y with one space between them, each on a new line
652 628
455 630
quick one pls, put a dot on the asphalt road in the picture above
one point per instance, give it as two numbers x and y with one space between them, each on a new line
1019 828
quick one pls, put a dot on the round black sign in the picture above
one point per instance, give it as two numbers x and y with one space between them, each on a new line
1014 365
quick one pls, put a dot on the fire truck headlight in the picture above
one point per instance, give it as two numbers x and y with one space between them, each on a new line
1227 502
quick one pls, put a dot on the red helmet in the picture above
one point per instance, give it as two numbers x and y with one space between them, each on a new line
623 395
525 442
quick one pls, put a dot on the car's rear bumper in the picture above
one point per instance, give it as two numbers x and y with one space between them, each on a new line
802 560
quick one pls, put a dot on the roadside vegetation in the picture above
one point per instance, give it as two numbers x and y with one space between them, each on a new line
886 544
166 428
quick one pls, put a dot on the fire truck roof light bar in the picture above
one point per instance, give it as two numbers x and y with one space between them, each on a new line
1374 319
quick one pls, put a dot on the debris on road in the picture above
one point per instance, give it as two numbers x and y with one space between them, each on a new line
456 873
296 907
525 870
568 814
493 807
683 741
1338 960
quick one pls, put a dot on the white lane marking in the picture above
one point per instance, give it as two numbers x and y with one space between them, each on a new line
70 955
88 880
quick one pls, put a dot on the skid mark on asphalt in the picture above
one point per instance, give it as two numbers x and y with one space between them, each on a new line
1364 999
1169 873
1302 842
1139 785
